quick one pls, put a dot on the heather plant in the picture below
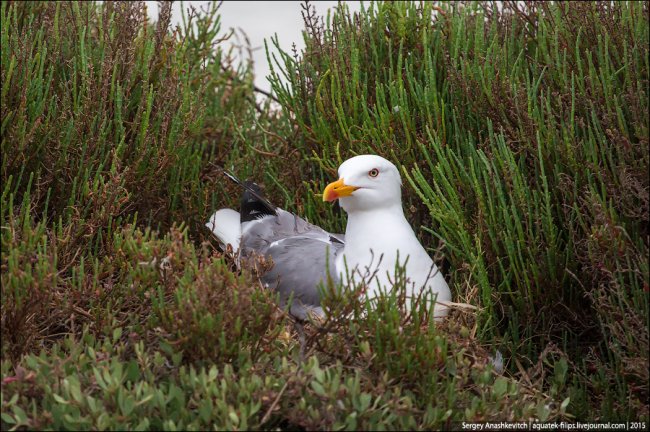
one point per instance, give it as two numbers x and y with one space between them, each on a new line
521 133
104 124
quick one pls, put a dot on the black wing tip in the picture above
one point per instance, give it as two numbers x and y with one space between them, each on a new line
253 203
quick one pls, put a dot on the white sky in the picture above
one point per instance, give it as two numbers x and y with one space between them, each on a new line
259 20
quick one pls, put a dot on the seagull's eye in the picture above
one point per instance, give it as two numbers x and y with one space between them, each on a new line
373 172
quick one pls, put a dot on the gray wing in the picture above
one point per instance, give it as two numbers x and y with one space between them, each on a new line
300 265
303 254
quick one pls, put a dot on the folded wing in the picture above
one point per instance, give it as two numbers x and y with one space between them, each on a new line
303 254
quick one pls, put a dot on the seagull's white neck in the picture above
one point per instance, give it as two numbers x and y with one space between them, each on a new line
375 219
377 229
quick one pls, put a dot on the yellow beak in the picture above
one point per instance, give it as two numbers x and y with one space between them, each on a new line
336 190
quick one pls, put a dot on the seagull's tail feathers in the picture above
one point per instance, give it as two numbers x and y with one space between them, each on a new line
253 203
226 226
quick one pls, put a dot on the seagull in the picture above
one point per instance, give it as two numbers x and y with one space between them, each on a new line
377 239
302 253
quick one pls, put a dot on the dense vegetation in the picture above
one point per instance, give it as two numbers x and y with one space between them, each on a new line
522 136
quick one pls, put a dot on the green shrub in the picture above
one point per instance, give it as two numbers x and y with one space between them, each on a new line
118 383
106 121
523 135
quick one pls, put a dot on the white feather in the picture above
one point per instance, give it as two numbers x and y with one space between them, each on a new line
225 225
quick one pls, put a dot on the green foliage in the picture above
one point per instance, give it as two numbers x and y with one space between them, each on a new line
522 138
113 117
113 383
523 135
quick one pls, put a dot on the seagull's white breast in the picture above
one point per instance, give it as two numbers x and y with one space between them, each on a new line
375 243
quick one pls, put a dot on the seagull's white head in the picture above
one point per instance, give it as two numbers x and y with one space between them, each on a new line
366 182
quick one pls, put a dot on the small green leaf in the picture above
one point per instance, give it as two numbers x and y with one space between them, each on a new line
213 373
21 416
318 388
166 348
565 404
128 405
543 411
205 410
255 408
102 421
59 399
561 368
99 380
143 425
364 401
7 418
133 371
500 386
92 404
32 362
318 374
75 391
145 400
